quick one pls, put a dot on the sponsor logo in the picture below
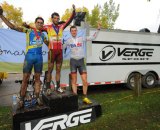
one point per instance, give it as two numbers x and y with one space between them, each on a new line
135 52
60 122
108 52
76 45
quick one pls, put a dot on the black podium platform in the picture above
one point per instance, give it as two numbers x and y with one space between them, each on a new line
61 102
58 109
95 105
23 115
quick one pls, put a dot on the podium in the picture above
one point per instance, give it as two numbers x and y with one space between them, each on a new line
60 111
61 102
23 115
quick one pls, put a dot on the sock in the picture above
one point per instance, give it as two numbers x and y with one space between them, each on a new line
84 96
58 84
47 85
21 98
37 95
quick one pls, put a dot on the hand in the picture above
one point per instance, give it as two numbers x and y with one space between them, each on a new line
1 11
25 25
73 6
99 25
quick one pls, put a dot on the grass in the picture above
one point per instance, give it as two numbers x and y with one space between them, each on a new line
5 118
18 67
121 110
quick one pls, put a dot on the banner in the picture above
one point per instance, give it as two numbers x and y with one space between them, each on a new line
13 48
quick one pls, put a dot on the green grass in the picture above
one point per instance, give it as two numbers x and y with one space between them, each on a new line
18 67
5 118
123 111
120 111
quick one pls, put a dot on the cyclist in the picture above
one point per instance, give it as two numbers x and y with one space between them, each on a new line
77 55
33 58
55 55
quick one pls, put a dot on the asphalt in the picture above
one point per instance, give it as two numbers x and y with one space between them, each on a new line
8 88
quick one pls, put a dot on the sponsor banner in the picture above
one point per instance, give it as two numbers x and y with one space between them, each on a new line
13 48
60 122
116 53
126 54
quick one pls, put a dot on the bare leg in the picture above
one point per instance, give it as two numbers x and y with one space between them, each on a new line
38 87
58 74
85 84
49 74
23 88
85 88
74 81
24 84
37 84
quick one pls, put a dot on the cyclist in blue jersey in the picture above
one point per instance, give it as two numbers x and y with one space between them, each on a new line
33 58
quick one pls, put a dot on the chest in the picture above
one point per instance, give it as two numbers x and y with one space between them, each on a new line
36 39
54 32
76 43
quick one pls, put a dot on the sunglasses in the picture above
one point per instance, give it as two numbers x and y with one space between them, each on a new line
39 22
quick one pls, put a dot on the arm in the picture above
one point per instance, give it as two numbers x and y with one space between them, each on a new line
91 38
46 41
71 18
45 38
9 24
31 27
65 43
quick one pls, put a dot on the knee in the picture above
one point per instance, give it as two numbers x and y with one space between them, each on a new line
50 69
85 82
58 70
37 77
37 89
74 82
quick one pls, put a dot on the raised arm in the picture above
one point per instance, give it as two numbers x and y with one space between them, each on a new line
91 38
71 17
9 24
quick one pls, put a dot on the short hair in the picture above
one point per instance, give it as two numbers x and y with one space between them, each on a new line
72 27
54 14
39 18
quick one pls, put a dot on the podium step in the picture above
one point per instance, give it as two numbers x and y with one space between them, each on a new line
61 108
23 115
95 105
61 102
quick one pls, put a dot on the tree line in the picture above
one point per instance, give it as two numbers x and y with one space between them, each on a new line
106 14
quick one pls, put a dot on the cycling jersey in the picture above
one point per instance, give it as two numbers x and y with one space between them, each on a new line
33 57
55 33
77 44
34 43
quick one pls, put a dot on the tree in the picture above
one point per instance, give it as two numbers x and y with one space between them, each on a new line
13 14
106 15
95 16
109 14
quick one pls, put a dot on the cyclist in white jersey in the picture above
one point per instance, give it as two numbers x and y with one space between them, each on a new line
76 44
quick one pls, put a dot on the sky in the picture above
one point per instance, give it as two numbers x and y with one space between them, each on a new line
133 14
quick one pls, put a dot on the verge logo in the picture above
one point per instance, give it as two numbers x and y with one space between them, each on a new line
107 53
60 122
